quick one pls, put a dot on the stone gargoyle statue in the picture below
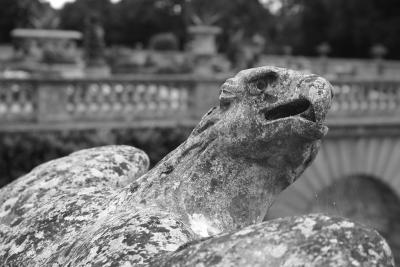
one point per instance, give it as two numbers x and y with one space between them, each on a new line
203 204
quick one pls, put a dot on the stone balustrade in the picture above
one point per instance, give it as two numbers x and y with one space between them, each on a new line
366 98
44 103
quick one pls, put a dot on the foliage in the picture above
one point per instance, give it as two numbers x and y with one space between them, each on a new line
51 56
20 152
24 14
135 21
126 22
350 27
244 18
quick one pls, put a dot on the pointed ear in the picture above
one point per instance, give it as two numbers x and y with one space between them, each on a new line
226 97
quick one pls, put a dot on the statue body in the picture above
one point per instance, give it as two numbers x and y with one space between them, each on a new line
94 42
92 208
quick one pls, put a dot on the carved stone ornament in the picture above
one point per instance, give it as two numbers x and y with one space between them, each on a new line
203 204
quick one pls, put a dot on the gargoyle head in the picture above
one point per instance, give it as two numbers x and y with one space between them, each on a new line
264 133
265 110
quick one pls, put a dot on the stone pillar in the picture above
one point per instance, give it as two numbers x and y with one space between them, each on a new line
52 102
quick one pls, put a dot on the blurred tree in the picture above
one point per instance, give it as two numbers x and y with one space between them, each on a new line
350 27
141 19
94 42
36 14
8 13
74 15
135 21
128 21
247 17
25 14
163 42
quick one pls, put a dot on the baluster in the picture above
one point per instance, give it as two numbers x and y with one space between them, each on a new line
5 99
86 99
118 94
157 98
341 98
184 96
397 96
335 105
106 92
8 101
80 99
345 98
353 103
174 98
163 97
178 90
99 99
374 97
383 97
92 101
357 98
111 98
388 96
15 105
129 98
70 98
392 97
140 97
3 104
152 96
23 100
30 105
370 97
123 97
144 96
364 97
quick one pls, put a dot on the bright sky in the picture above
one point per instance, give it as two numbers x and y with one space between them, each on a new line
274 5
59 3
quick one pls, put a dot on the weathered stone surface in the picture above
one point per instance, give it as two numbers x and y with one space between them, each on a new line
263 135
48 207
366 200
308 240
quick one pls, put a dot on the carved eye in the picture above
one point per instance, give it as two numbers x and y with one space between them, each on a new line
261 85
258 87
225 98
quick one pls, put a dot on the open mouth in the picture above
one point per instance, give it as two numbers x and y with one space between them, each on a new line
299 107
